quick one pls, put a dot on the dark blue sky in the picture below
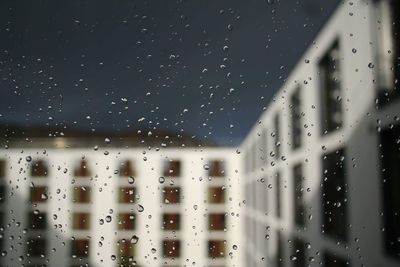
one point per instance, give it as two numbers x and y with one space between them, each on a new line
197 67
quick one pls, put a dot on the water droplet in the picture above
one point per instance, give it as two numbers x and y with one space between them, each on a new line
134 239
140 208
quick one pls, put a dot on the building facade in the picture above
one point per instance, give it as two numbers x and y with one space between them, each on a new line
120 207
321 167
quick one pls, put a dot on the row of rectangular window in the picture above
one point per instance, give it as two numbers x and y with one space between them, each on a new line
36 247
331 112
333 195
126 221
334 192
127 194
171 168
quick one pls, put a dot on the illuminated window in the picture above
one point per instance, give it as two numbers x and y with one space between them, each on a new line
126 194
171 195
171 221
216 248
80 248
81 221
126 221
82 170
81 194
216 195
172 168
39 168
171 248
217 221
217 168
126 168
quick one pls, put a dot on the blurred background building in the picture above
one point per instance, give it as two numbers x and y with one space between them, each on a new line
315 183
322 175
68 202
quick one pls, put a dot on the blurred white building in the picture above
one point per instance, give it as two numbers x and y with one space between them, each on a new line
322 165
120 207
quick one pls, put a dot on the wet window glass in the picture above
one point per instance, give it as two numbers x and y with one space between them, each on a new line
180 133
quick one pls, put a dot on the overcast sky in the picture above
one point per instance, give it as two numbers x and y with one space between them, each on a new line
204 68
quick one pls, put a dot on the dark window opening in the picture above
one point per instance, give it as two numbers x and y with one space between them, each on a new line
279 250
278 197
217 221
80 248
296 118
171 221
390 160
126 221
126 252
126 195
171 195
38 194
2 168
172 168
216 248
36 247
277 136
298 195
3 191
388 52
217 168
39 168
126 168
299 253
37 221
171 248
332 114
216 195
334 199
331 260
82 170
81 194
81 221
